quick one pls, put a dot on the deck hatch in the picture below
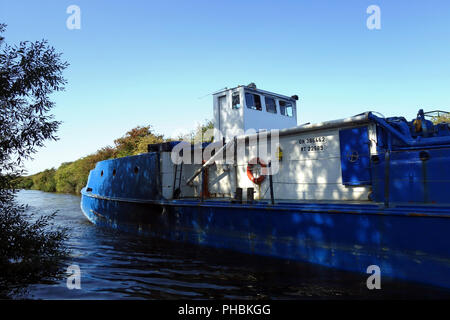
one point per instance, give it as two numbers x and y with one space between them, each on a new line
355 156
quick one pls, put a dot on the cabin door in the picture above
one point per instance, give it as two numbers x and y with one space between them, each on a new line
222 106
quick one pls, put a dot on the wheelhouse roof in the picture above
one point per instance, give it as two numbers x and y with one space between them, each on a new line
251 89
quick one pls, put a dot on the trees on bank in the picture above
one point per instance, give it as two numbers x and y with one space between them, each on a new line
29 73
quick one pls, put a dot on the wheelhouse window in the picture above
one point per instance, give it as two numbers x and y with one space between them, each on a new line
271 105
286 108
253 101
236 100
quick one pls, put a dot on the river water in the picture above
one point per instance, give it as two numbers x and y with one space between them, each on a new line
121 266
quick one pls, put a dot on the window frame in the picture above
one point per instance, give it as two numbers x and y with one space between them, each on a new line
287 103
275 111
253 107
238 95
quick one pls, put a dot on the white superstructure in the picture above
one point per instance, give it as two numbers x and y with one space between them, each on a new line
322 161
243 109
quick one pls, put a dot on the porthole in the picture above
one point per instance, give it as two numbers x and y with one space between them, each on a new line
114 172
136 170
101 174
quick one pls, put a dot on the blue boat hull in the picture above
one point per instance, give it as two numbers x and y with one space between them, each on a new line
406 242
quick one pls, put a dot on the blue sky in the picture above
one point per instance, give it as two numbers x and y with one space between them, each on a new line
144 62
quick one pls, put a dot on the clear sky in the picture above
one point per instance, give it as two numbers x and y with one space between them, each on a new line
145 62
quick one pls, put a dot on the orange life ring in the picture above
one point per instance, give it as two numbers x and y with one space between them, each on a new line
250 166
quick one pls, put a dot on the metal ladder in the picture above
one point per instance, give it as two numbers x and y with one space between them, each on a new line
176 192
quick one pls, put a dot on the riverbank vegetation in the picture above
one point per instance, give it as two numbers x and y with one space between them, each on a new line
71 177
30 247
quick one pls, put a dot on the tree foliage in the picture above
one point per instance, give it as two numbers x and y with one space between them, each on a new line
441 118
45 180
202 133
29 73
135 141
